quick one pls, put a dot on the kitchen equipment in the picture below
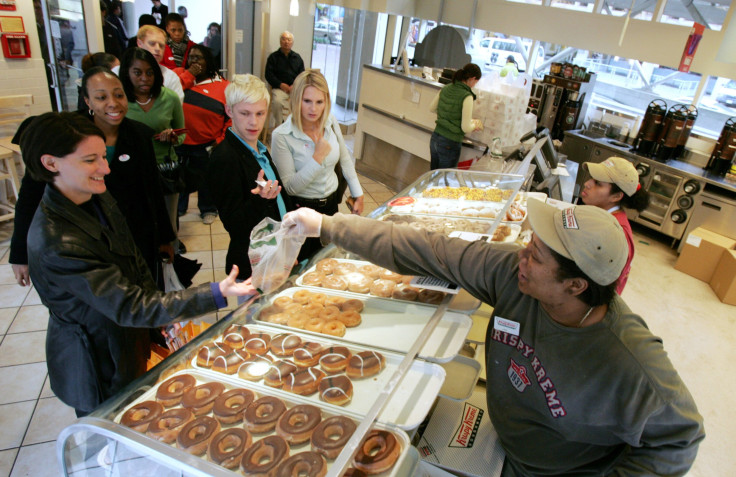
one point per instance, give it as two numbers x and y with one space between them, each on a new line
565 104
692 115
651 125
669 136
725 149
571 112
536 98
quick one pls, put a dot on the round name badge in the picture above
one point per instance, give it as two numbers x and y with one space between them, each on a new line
123 158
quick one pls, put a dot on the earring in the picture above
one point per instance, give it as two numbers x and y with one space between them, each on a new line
91 113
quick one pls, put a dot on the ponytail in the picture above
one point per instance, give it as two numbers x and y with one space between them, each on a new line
471 70
639 201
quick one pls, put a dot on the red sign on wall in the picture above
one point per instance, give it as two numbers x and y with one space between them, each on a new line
7 5
693 40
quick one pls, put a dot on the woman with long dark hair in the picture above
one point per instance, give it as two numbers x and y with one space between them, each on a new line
454 108
88 271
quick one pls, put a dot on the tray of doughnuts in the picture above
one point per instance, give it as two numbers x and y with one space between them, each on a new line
370 321
456 208
505 232
343 377
251 431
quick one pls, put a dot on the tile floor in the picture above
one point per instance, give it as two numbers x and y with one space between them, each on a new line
698 332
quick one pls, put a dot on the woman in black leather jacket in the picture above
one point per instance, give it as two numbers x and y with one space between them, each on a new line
88 272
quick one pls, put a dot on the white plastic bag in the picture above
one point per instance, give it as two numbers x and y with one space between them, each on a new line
171 280
272 255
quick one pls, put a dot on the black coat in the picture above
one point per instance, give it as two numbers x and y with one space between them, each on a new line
231 176
133 182
101 298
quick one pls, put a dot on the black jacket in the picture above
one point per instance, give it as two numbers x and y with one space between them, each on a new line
231 176
283 69
133 182
101 298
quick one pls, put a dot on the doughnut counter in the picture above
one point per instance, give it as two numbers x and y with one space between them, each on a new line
279 386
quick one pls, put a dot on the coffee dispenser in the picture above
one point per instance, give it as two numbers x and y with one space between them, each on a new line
565 103
692 115
646 139
725 150
669 135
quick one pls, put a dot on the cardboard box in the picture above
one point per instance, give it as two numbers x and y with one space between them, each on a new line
702 252
723 281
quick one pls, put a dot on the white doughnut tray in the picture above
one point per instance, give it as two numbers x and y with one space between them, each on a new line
399 468
408 405
395 325
450 226
460 208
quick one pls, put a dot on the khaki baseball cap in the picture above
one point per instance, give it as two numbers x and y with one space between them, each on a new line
588 235
615 170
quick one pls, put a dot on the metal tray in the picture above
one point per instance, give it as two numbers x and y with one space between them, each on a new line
394 325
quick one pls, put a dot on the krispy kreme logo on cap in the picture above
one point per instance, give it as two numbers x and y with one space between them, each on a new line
568 219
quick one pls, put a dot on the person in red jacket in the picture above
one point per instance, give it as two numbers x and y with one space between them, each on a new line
178 43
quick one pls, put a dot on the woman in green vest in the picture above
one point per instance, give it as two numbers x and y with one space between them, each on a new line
454 108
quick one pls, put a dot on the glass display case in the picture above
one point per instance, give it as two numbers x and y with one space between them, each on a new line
263 349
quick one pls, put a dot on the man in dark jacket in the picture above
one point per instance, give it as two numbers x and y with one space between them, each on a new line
282 67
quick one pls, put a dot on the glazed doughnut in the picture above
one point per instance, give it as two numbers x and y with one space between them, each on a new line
389 275
309 464
308 354
141 415
365 364
267 311
314 324
298 321
304 382
293 309
329 312
200 399
312 279
343 268
327 265
334 328
196 435
335 359
352 304
285 344
278 372
335 301
359 283
207 354
235 335
370 270
383 288
405 292
313 309
229 364
318 298
337 390
169 393
261 415
379 452
262 458
296 424
350 318
301 296
167 426
335 283
258 343
331 435
230 406
254 368
282 302
278 318
228 446
432 297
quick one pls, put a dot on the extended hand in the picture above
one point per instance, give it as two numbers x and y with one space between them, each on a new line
230 287
270 191
303 222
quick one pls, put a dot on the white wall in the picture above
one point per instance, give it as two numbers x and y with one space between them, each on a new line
301 27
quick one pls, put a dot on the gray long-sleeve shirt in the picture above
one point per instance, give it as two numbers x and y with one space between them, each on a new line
599 400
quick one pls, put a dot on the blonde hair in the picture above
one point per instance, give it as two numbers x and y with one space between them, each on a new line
146 30
314 78
246 88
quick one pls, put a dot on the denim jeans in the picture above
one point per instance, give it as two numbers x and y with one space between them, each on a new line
445 153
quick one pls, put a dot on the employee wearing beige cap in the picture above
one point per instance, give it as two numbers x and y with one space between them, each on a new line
615 184
577 384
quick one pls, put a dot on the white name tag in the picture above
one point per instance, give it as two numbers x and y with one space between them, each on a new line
507 326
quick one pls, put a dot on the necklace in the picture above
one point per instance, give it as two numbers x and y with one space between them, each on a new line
145 103
580 325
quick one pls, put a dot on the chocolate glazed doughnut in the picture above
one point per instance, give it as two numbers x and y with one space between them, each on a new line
228 446
379 452
230 407
309 464
331 435
168 424
264 456
196 435
262 415
296 424
201 399
141 415
169 393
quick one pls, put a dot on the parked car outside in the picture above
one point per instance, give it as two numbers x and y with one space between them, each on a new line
727 94
329 31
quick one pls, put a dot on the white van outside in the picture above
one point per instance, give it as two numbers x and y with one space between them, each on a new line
501 48
329 31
